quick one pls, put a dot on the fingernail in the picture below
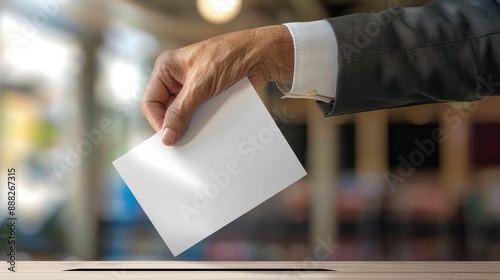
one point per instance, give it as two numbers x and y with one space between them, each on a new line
169 136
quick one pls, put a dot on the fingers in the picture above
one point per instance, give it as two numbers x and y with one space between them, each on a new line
167 104
185 78
160 92
178 115
154 101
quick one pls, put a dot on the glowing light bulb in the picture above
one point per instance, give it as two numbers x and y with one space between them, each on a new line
218 11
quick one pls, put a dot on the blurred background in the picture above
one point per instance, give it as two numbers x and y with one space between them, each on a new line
380 186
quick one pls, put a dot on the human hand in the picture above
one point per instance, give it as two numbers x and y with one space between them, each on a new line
183 79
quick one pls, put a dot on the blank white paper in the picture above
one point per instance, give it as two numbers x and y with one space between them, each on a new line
232 158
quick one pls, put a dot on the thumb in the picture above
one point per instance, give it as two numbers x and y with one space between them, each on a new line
177 117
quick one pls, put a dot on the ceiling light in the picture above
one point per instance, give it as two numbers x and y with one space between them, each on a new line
218 11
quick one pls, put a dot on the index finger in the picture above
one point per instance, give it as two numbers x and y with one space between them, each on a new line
160 92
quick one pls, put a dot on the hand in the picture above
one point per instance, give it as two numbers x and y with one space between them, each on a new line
183 79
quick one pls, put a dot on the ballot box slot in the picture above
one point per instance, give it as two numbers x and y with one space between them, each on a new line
258 269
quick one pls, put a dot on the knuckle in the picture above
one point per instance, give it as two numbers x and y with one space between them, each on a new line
167 63
177 115
163 61
163 58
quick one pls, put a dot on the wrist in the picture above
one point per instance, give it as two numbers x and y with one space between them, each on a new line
274 52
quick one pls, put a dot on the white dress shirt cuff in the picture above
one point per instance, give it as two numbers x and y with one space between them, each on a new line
316 66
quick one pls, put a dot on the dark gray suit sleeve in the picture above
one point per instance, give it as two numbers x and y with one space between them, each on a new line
448 50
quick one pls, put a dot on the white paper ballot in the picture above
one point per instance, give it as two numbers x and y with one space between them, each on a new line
232 158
